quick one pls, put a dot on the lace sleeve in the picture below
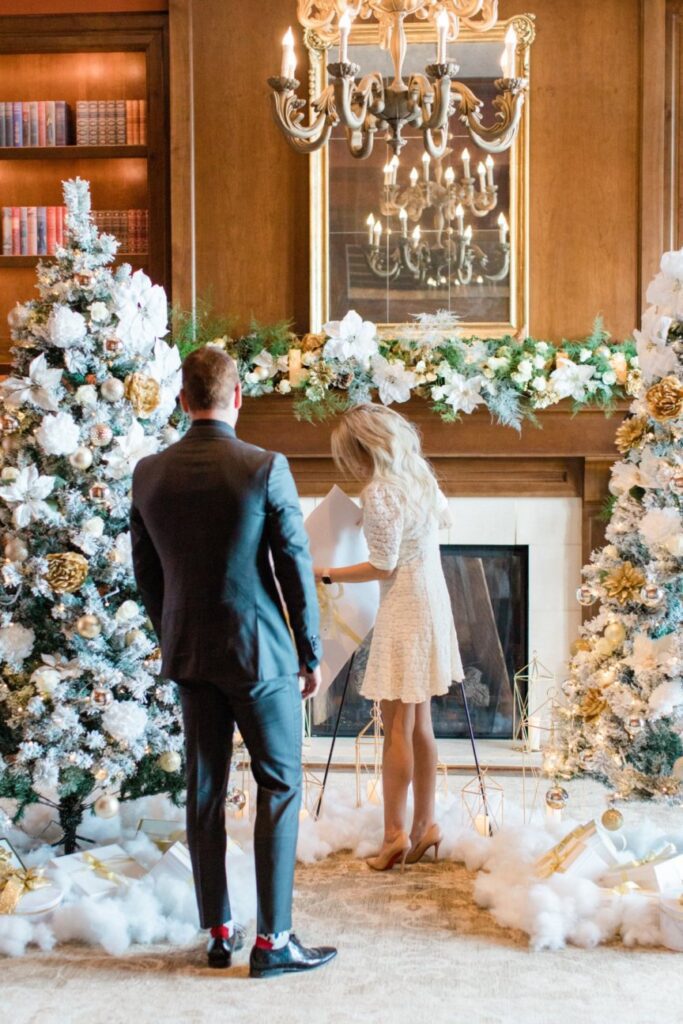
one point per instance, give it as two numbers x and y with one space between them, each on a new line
383 525
443 512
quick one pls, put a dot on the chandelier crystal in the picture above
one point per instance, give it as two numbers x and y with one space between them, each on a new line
367 103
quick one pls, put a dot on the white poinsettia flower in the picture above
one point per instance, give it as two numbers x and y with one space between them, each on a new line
654 360
27 493
463 394
666 699
667 293
99 312
166 363
66 327
624 476
125 720
16 642
392 379
475 352
350 338
142 310
569 380
650 655
671 264
659 525
128 450
58 434
37 389
124 549
654 326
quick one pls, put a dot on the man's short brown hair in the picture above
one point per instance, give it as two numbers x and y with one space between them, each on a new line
209 379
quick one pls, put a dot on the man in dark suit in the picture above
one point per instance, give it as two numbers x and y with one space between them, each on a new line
214 522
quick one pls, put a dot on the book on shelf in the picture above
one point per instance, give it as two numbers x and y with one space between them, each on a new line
34 123
32 230
38 230
111 122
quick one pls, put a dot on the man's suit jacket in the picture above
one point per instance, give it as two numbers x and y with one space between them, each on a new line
207 514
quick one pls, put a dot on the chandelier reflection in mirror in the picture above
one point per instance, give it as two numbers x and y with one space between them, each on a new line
453 258
365 104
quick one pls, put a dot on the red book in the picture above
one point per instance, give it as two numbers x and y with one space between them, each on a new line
51 217
60 225
16 230
42 124
32 230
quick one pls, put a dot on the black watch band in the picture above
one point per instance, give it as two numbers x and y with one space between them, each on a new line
327 580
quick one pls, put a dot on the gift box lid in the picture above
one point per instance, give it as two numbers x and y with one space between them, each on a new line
39 901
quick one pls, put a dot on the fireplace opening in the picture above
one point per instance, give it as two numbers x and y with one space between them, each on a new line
488 585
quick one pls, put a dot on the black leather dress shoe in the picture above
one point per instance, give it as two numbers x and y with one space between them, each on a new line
219 951
266 963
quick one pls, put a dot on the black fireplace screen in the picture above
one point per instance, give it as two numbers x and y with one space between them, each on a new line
488 585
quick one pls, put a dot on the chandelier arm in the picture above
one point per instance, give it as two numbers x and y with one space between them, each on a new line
500 275
369 94
434 150
484 210
287 111
380 265
499 136
366 146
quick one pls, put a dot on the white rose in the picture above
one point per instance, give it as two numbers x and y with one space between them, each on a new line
66 327
46 680
93 527
86 395
539 383
125 720
16 642
525 370
609 377
58 434
584 355
99 312
128 611
539 362
284 387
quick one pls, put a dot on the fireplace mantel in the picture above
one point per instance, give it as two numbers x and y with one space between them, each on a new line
569 455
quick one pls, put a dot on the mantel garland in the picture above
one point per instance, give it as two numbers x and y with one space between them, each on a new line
433 359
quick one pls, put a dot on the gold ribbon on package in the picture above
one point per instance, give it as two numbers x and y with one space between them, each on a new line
330 616
102 868
561 855
15 882
658 856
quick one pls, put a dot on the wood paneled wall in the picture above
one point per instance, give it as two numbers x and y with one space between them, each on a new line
589 113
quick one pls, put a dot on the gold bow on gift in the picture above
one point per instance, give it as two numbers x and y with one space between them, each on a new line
102 869
15 882
664 852
554 860
330 615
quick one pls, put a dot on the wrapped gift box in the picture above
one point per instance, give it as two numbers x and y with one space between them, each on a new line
162 832
100 871
8 855
661 871
584 852
175 863
671 922
25 891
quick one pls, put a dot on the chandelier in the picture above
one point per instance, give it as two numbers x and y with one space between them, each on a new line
365 104
453 258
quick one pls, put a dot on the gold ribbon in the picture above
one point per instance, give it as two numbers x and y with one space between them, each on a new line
102 869
554 860
15 882
665 852
330 614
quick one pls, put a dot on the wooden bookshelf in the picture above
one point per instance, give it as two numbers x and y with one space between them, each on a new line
87 57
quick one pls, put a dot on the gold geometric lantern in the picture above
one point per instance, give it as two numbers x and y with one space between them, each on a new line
369 759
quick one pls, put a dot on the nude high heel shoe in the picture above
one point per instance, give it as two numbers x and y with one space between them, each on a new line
432 837
392 854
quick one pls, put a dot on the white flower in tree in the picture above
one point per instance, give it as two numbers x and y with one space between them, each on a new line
99 312
666 699
350 338
660 525
671 264
16 643
123 548
66 327
655 357
125 721
475 352
650 655
128 450
166 368
570 380
392 379
27 493
142 312
58 434
462 393
38 389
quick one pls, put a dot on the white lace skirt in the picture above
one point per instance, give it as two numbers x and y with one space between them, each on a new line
414 653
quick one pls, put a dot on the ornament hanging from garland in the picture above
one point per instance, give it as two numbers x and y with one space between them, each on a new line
143 392
66 572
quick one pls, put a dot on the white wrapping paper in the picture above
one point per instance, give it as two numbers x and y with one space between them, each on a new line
98 871
347 612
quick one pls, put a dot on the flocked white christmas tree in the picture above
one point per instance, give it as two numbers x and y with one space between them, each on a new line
83 716
623 722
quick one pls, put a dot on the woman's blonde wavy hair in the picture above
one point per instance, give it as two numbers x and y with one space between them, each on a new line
373 443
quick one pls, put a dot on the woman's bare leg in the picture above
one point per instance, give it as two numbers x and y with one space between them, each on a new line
424 771
397 765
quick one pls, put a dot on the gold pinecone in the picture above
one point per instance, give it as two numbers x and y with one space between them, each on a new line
665 399
592 705
312 342
624 583
143 393
631 433
66 572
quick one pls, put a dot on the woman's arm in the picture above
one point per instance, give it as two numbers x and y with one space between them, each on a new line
363 572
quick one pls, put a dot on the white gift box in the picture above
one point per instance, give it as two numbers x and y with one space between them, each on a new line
348 612
38 904
671 922
175 863
163 832
100 871
662 872
584 852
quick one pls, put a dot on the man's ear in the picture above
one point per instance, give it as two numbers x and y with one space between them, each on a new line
183 402
238 396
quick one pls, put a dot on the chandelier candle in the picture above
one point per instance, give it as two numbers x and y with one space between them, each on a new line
459 216
502 228
465 163
288 55
403 217
442 47
507 61
344 32
489 171
481 171
370 223
426 160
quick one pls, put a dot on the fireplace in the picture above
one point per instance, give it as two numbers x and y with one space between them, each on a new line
489 592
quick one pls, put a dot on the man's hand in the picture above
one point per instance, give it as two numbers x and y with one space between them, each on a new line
312 680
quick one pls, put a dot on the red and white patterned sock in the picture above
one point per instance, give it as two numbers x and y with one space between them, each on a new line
278 940
223 931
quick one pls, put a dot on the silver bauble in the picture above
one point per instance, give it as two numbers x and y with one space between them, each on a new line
651 595
101 435
112 390
100 493
81 458
106 806
556 798
585 595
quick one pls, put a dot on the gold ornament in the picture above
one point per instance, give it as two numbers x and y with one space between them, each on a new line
89 627
152 662
170 761
143 393
623 585
631 434
665 399
132 636
106 806
615 633
312 342
612 819
580 645
66 572
592 705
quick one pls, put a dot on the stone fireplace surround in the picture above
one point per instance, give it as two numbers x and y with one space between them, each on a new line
542 488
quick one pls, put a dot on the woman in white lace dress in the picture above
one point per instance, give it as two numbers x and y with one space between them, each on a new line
414 653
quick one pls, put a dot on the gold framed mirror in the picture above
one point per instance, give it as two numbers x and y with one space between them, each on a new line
393 237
